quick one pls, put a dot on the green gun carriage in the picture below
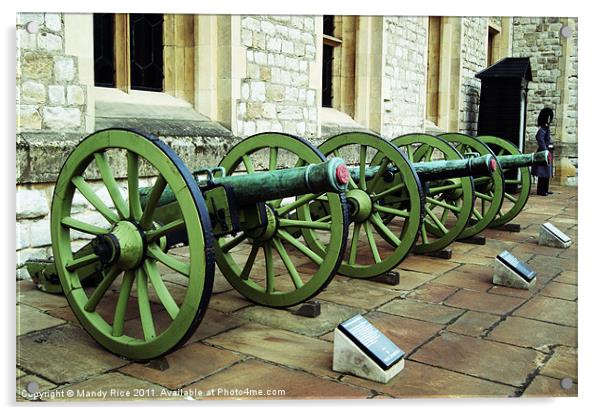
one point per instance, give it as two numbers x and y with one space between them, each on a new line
138 270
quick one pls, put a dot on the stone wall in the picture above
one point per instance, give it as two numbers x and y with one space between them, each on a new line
276 93
473 60
404 76
540 40
49 95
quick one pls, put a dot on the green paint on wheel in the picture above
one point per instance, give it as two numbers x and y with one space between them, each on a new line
449 203
489 191
513 203
274 267
383 233
119 311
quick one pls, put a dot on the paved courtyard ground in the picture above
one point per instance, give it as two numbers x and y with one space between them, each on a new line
462 335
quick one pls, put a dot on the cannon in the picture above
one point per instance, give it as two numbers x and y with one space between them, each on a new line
497 198
138 271
388 195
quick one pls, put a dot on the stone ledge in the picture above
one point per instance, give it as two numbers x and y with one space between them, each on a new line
40 156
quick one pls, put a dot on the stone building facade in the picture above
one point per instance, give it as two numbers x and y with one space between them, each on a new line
228 77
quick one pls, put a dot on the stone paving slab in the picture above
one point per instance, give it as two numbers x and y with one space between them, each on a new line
484 302
31 387
544 386
64 354
363 296
30 319
435 313
331 315
186 365
473 323
279 346
533 333
485 359
268 381
463 335
562 364
549 309
418 380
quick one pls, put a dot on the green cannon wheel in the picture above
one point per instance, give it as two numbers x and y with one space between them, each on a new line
489 191
519 178
273 267
387 242
449 203
136 310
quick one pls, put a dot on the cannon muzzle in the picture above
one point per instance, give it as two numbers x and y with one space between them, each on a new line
541 158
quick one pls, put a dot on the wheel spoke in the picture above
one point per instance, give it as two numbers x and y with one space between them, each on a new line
83 226
354 241
133 191
290 267
144 307
425 239
160 232
246 159
181 267
270 279
439 189
122 303
304 249
410 151
111 185
483 196
298 202
324 218
101 289
93 198
232 243
386 233
77 263
244 275
510 197
436 220
170 305
285 223
512 181
370 233
442 204
392 211
273 158
392 189
477 214
381 170
151 203
363 150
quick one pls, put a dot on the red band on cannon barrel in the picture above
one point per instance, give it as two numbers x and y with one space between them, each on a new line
492 165
342 174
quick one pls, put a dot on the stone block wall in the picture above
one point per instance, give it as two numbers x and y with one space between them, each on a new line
49 95
540 40
473 60
404 77
276 93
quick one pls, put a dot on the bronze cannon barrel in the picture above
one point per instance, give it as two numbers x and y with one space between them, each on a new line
440 169
541 158
247 189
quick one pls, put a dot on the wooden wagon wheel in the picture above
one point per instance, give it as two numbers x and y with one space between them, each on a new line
387 243
489 191
128 246
273 267
519 177
449 203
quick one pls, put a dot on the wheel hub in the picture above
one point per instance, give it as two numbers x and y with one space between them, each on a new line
263 233
361 205
124 246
